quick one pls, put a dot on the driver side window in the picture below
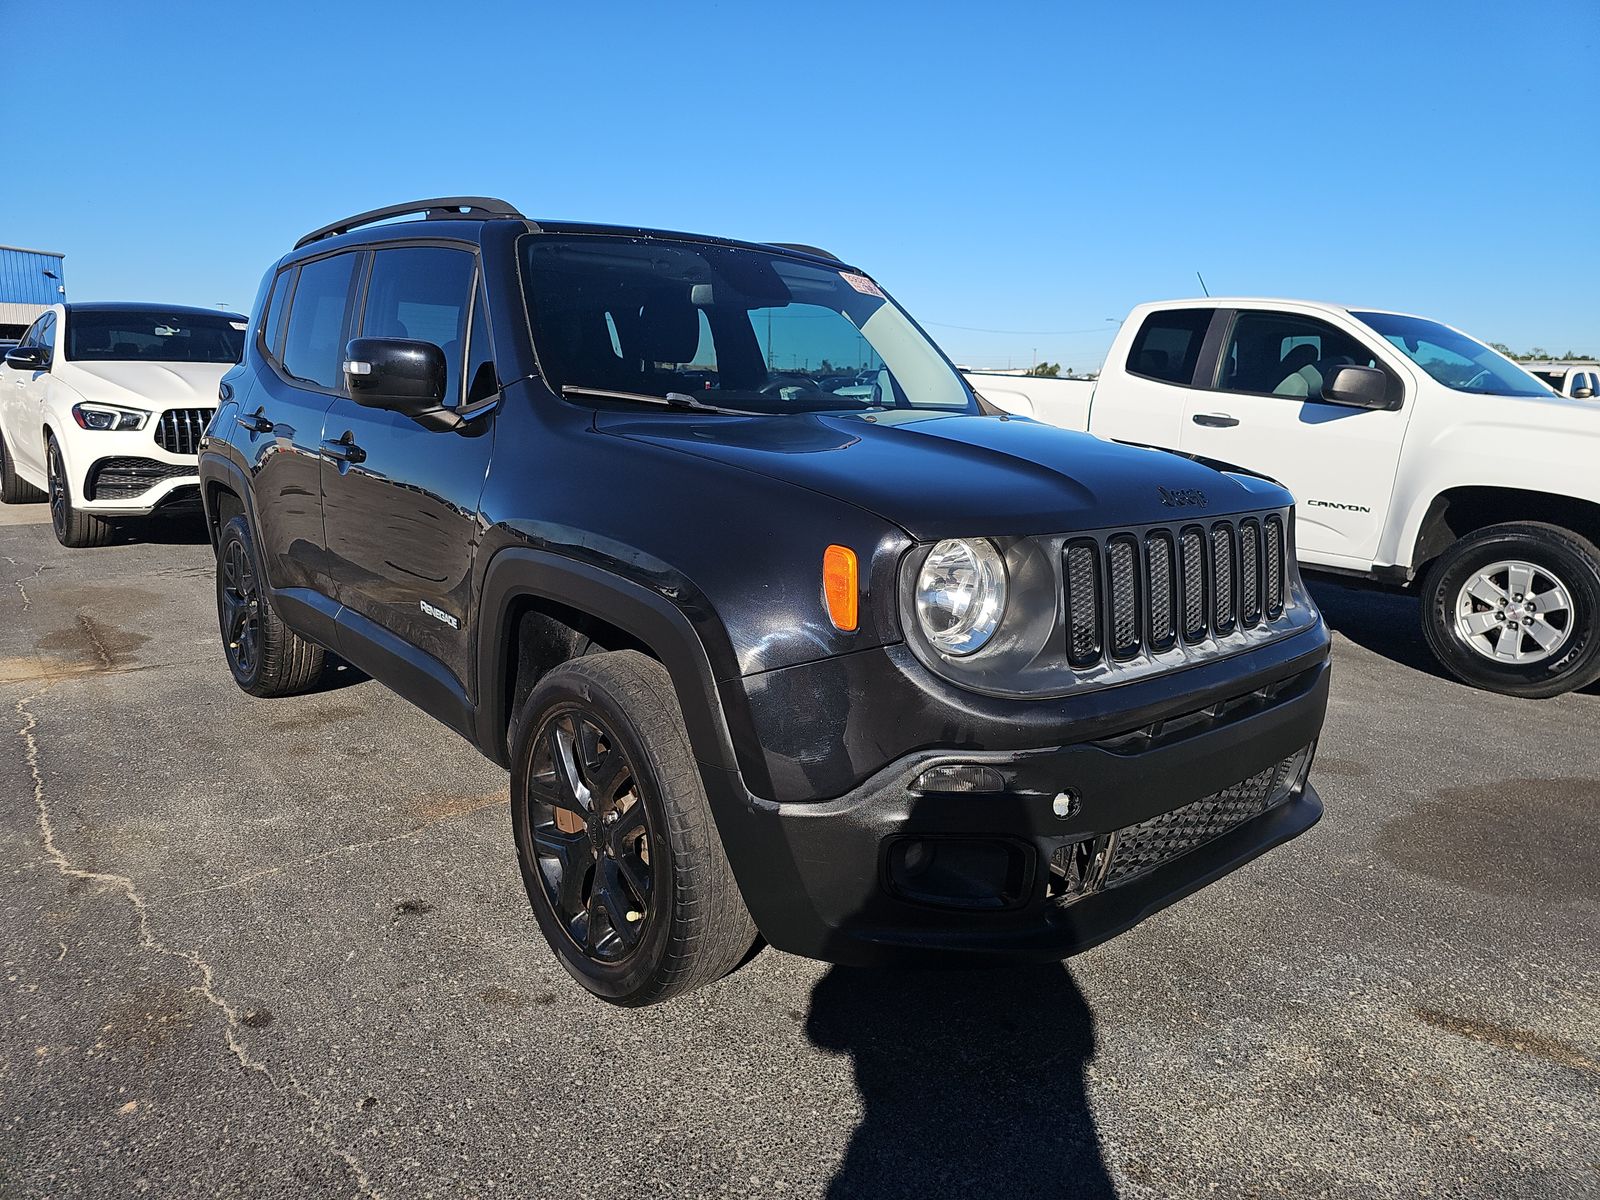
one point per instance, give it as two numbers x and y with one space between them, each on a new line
1282 354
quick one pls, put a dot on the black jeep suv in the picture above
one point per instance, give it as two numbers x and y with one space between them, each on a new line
781 630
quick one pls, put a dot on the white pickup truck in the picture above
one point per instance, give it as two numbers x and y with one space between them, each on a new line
1420 458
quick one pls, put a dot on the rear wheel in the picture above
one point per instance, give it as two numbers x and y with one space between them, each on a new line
14 489
623 865
1513 609
72 527
267 658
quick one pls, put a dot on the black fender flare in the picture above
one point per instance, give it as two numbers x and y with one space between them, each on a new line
214 469
518 572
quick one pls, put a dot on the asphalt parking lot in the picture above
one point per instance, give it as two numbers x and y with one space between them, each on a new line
281 948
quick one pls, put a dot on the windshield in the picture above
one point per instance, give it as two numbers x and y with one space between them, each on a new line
152 335
1452 358
728 327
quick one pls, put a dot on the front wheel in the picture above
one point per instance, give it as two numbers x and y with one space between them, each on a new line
267 658
71 526
622 861
1513 609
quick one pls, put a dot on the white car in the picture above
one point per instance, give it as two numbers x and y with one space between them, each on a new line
102 407
1420 459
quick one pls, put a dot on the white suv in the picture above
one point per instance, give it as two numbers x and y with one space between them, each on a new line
102 407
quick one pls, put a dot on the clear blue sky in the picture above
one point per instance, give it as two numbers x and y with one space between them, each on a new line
1016 167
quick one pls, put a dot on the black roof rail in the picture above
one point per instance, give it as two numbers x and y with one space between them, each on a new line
471 208
804 249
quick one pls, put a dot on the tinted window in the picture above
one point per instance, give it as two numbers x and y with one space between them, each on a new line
153 335
1281 354
313 346
421 293
272 319
31 337
738 327
1168 345
481 379
47 332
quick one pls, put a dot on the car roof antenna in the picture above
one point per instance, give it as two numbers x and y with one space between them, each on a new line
1203 286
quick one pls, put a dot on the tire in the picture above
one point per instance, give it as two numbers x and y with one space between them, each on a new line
1487 581
267 658
640 906
73 527
14 489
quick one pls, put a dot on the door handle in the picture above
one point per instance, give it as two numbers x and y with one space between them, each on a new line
1215 420
256 423
343 450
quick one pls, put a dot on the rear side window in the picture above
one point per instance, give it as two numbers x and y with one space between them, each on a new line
313 344
422 293
272 319
1168 345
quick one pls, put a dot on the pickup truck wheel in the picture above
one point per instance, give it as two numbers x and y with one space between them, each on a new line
14 489
622 861
267 658
1513 609
72 527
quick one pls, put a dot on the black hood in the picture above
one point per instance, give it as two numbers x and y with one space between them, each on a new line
938 475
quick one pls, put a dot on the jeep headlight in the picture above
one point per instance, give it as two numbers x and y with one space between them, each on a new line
108 417
961 595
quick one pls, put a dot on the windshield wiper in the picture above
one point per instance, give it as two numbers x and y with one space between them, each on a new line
670 400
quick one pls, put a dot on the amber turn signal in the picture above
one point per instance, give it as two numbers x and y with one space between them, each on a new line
841 587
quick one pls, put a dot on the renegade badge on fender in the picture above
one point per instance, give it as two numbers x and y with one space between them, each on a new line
780 629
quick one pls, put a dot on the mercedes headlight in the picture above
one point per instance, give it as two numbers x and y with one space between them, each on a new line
961 595
109 417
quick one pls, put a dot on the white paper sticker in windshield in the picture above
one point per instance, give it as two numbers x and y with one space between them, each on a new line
166 331
862 284
241 326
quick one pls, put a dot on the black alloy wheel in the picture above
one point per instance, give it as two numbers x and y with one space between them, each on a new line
241 609
590 835
56 478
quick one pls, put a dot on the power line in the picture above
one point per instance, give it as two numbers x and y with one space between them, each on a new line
1023 332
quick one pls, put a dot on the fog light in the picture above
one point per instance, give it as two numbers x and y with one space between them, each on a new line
957 872
960 778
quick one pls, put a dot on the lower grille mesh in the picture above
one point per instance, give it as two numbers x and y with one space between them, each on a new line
1148 844
1111 860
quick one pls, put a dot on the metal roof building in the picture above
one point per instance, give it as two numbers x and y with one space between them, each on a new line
30 281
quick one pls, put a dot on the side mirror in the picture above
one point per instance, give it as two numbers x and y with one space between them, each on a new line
1357 387
28 358
403 376
1582 393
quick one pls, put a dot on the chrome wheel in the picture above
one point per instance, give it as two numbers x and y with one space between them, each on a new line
591 834
1514 612
241 609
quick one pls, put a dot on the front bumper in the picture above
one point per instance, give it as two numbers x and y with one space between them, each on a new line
828 880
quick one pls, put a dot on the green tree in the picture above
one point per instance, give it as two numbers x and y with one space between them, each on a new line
1045 370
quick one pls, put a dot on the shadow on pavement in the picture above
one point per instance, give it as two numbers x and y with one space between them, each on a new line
186 530
1386 623
972 1082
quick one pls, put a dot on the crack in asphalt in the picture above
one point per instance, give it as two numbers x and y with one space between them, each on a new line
27 602
351 848
206 988
92 632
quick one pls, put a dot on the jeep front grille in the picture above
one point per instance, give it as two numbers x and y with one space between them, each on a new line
1193 582
179 430
1091 865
